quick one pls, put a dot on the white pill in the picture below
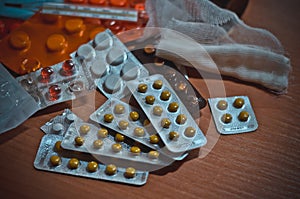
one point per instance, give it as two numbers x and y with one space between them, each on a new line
57 127
86 52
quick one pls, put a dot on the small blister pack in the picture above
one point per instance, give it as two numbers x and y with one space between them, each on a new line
109 63
233 115
59 124
60 82
52 157
168 115
132 122
88 138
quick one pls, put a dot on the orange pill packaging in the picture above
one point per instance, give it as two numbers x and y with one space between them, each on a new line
84 137
167 113
52 157
233 114
110 63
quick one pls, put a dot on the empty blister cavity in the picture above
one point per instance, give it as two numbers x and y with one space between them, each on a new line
110 149
51 157
174 118
233 114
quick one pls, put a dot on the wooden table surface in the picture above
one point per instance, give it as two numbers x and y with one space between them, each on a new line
262 164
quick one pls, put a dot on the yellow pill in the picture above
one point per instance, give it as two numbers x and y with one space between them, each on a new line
98 144
116 147
123 124
111 169
108 118
102 133
56 42
190 132
173 107
157 110
119 137
222 105
57 146
150 99
165 123
130 172
142 88
173 135
84 128
157 84
74 25
139 131
119 109
226 118
135 150
154 139
55 160
73 163
165 95
243 116
153 154
238 102
181 119
79 141
134 115
92 166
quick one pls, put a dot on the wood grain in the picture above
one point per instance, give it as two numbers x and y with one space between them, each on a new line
262 164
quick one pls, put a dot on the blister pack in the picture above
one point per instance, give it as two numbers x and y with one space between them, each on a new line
110 63
59 124
167 113
16 104
233 114
87 138
132 123
52 157
60 82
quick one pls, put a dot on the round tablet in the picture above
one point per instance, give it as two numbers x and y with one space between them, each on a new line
79 141
102 133
130 172
119 137
142 88
129 71
115 56
165 123
86 52
98 144
84 128
98 68
165 95
226 118
181 119
157 84
149 49
222 105
117 147
112 84
173 107
74 25
57 127
111 169
243 116
157 110
123 124
173 135
134 116
71 117
239 102
92 166
135 150
119 109
19 40
57 146
154 139
139 131
153 154
190 132
102 41
73 163
56 43
55 160
150 99
108 118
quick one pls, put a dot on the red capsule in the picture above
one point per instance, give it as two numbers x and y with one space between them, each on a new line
54 92
68 67
46 73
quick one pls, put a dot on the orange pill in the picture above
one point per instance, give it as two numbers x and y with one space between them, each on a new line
56 42
120 3
74 25
19 40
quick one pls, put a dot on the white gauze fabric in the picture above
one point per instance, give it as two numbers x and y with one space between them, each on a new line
243 52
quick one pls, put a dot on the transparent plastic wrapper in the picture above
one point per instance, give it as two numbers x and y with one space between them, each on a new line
107 60
84 137
139 127
51 157
16 104
233 115
243 52
167 113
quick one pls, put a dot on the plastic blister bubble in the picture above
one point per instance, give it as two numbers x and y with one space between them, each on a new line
166 112
233 114
61 164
